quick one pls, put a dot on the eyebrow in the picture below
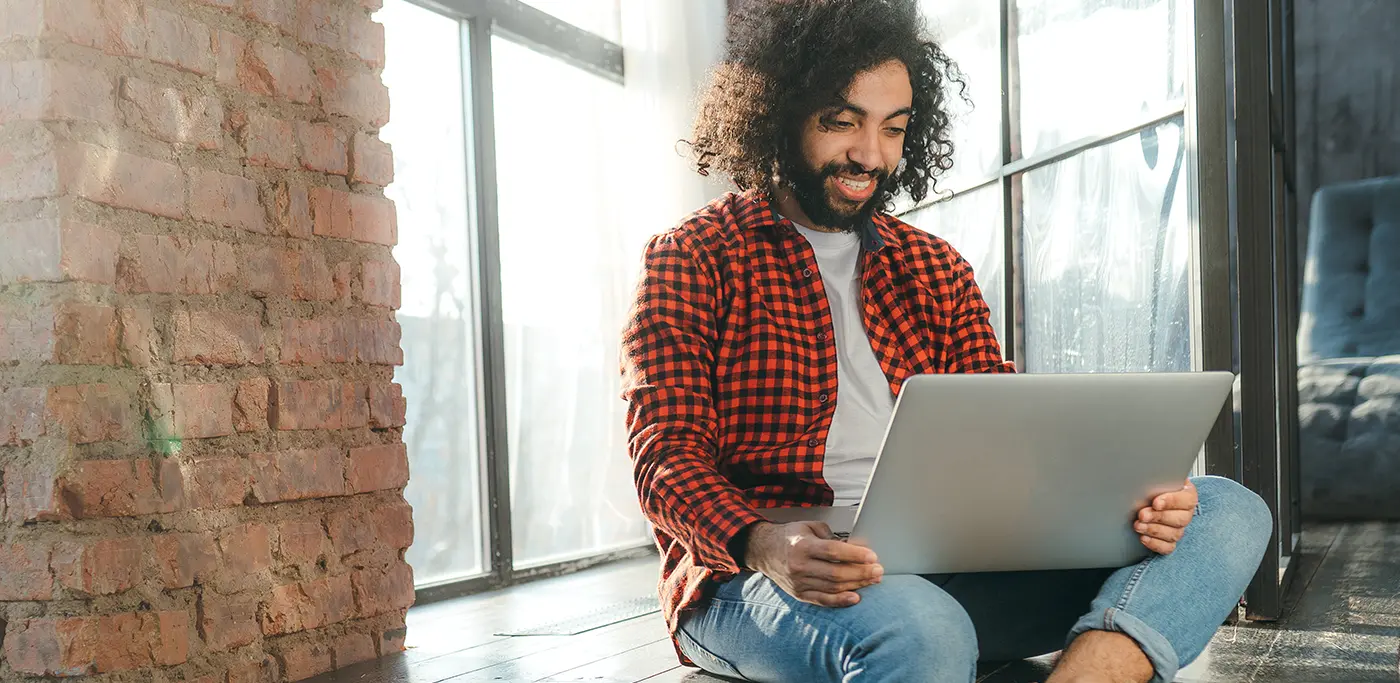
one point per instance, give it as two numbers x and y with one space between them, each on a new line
847 106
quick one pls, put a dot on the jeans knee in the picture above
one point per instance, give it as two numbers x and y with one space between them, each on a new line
926 634
1239 516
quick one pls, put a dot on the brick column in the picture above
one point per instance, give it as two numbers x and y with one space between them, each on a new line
200 437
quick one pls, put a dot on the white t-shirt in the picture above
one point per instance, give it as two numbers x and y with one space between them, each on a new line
863 399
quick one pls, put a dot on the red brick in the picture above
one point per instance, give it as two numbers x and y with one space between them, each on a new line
330 212
178 41
53 646
319 404
373 220
217 483
26 334
122 180
221 4
226 200
301 275
375 468
172 114
305 342
323 148
266 69
365 39
78 646
322 22
85 335
177 265
350 532
387 406
192 411
378 591
373 160
138 344
268 141
261 671
359 95
279 14
391 640
110 488
89 413
54 250
115 26
393 525
300 541
217 338
308 605
250 404
229 49
298 475
30 167
380 283
291 210
304 659
45 90
246 549
32 492
182 560
100 567
24 572
353 648
226 623
21 415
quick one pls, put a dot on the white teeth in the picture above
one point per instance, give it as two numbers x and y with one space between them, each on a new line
854 185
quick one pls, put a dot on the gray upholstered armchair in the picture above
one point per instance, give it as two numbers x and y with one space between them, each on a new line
1349 353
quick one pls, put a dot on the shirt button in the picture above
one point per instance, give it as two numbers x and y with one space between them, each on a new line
812 443
823 398
806 272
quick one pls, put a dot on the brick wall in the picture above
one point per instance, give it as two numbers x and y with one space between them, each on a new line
200 439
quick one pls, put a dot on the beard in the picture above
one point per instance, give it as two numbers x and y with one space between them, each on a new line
823 206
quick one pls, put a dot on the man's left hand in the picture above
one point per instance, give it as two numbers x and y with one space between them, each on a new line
1163 523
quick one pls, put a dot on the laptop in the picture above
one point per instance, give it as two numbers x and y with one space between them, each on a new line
1023 472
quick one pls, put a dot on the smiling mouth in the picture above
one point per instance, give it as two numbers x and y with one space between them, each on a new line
855 190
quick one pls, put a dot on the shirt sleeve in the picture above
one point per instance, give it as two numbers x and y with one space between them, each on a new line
974 347
668 362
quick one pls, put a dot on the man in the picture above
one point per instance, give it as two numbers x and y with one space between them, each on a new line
770 333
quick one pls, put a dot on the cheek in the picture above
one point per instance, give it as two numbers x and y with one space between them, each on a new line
893 152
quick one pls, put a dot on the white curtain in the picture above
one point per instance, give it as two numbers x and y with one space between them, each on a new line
588 171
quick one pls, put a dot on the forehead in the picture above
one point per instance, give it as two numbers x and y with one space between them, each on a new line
881 90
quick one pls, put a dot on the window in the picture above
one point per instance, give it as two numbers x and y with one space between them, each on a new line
571 482
423 70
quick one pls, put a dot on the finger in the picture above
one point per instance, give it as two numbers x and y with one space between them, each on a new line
837 551
1176 518
1157 545
836 572
828 599
819 529
810 584
1185 499
1162 532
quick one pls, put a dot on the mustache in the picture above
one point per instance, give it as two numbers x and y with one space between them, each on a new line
833 168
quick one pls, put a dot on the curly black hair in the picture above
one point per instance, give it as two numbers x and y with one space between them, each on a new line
787 59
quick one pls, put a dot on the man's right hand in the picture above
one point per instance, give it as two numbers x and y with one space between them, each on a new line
805 560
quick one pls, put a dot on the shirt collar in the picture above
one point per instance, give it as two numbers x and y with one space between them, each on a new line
872 238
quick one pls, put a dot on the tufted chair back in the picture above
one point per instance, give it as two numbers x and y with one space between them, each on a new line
1351 292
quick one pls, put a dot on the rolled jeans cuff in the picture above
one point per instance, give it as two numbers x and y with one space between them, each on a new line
1158 650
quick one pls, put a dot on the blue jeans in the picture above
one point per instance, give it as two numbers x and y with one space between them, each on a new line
936 628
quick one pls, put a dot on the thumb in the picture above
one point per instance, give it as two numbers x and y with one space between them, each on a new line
820 530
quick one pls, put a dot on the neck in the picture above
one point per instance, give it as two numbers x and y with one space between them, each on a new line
788 206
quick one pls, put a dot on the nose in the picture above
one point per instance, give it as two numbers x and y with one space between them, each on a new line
865 151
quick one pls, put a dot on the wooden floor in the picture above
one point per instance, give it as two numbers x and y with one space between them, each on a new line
1342 624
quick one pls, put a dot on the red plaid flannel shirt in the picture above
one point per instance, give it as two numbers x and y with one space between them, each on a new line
729 369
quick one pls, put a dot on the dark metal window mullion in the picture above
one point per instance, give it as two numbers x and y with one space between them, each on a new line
1013 346
491 319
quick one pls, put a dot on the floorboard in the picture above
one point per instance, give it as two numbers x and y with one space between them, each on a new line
1341 623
